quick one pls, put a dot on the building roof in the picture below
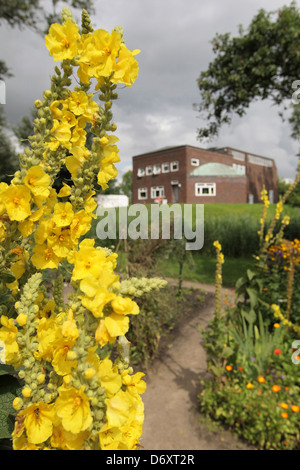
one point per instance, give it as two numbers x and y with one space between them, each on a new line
215 169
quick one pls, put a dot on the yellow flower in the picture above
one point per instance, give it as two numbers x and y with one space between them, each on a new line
118 409
295 408
64 191
62 40
38 182
17 199
109 377
88 261
69 327
97 302
44 257
61 362
99 51
127 68
60 135
2 231
21 319
249 386
134 384
38 422
124 306
8 334
78 102
63 214
217 245
73 407
48 334
110 328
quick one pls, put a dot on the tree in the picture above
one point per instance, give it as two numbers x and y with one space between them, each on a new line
261 63
126 184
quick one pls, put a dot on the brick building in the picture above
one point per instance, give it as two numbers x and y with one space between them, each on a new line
187 174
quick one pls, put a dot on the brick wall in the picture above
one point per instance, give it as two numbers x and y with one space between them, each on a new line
228 190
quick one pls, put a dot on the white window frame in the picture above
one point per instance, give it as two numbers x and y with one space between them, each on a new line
156 169
200 186
140 172
174 164
140 190
165 167
149 170
195 161
160 189
239 168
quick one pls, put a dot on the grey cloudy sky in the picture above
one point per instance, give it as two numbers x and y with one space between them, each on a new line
174 39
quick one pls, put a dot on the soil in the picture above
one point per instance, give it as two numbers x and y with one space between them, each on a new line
172 417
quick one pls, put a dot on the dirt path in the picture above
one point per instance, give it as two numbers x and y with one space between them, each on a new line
171 414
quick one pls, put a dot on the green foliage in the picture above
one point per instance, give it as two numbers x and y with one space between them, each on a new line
261 63
9 388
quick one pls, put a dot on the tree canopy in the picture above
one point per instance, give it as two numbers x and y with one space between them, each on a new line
260 63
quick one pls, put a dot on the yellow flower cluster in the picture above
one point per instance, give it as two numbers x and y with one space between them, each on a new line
286 251
285 321
74 396
220 261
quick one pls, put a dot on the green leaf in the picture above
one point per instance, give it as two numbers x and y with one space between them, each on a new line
6 369
9 389
250 274
227 352
7 277
253 296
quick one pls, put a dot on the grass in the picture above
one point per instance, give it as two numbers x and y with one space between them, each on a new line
204 269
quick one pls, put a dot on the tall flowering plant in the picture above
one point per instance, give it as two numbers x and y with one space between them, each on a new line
73 395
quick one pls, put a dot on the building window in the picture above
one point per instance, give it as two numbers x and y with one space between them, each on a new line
142 193
165 168
205 189
156 169
239 168
157 191
174 166
140 172
195 162
149 170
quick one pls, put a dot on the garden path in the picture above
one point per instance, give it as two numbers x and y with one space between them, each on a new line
171 405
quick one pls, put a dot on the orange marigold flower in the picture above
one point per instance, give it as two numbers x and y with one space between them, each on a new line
228 367
276 325
249 386
295 408
284 414
284 405
261 379
276 388
277 351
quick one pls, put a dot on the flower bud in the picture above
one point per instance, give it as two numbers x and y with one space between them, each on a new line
26 392
17 403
